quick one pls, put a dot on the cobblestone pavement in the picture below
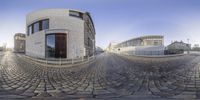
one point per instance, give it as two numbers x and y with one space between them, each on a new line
109 76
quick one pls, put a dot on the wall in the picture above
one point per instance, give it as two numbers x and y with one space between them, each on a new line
35 45
59 20
141 50
89 35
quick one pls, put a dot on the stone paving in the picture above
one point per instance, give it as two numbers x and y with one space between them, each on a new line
109 76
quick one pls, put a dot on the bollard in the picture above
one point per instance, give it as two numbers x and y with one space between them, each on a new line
60 61
72 61
46 61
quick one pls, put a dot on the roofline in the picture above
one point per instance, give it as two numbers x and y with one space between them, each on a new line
84 12
38 10
143 37
87 13
20 34
150 36
178 42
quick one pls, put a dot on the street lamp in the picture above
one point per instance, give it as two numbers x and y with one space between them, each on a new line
188 45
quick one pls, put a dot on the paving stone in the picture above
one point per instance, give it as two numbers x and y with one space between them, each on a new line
110 76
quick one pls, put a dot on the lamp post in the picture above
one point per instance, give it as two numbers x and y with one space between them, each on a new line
75 49
188 46
81 52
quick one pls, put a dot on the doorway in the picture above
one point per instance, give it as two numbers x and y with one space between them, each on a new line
56 45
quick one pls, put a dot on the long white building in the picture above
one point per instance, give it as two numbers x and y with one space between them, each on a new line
55 33
145 45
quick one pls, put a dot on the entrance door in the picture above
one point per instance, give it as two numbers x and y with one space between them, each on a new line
60 51
56 46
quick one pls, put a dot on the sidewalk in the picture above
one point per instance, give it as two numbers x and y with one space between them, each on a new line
60 62
155 56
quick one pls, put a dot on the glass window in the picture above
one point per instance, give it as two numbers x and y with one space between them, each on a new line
50 45
45 24
76 14
156 43
36 27
30 30
56 45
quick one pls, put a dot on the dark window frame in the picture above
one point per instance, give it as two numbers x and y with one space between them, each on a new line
40 25
40 22
80 15
28 33
56 45
38 28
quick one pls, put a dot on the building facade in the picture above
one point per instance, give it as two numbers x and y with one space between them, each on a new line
111 47
19 42
178 47
60 33
152 40
196 47
145 45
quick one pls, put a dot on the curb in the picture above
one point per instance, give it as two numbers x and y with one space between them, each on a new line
57 63
155 56
161 56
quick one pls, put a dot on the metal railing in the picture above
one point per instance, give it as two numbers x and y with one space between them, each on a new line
161 52
61 61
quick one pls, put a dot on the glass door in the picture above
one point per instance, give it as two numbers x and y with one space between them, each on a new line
56 45
50 46
60 45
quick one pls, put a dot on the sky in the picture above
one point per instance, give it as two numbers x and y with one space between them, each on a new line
114 20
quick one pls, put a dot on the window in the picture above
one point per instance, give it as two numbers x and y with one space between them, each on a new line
56 45
156 43
30 31
36 27
76 14
45 24
50 39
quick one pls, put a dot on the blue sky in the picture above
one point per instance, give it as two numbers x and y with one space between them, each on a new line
115 20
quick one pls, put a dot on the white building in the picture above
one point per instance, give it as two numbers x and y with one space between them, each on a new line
55 33
111 47
178 47
145 45
3 47
19 42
